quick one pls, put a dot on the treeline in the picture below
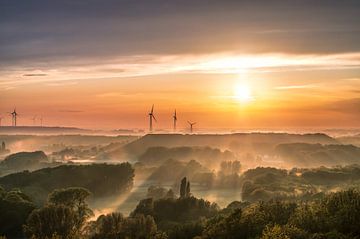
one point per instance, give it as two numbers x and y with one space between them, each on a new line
227 175
210 157
101 180
316 155
296 184
336 215
66 215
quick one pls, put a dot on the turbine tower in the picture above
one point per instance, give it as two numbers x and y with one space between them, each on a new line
175 119
151 117
14 115
191 126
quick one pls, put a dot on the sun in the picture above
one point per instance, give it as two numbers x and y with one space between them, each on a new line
243 93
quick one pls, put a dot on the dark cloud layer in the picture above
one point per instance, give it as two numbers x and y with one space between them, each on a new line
49 30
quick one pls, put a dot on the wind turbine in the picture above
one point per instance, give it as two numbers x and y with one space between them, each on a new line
175 119
191 126
14 115
151 117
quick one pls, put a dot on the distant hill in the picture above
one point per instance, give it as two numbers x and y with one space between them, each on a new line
57 142
235 142
25 161
315 155
209 156
355 140
43 130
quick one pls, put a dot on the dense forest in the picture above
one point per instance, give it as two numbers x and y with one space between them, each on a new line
100 179
66 214
170 188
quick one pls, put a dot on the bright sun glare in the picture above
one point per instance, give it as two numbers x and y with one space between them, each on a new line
243 93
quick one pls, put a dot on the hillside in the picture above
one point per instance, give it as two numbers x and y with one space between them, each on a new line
234 142
316 155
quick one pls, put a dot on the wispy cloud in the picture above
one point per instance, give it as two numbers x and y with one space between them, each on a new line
146 65
40 74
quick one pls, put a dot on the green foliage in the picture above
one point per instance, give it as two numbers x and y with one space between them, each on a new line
249 222
100 179
156 193
115 226
338 211
75 199
283 232
15 207
65 215
45 222
298 184
170 213
185 230
335 216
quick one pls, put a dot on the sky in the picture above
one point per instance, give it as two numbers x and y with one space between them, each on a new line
254 64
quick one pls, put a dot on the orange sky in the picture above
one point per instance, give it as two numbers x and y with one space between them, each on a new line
257 69
306 95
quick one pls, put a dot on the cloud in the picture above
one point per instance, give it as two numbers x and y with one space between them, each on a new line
40 74
66 73
46 31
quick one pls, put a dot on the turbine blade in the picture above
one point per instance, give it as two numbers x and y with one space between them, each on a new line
154 118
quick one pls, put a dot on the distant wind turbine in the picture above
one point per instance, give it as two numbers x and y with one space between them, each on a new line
151 117
175 119
14 116
191 126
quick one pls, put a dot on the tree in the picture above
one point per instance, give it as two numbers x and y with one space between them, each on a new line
187 193
52 219
75 199
183 188
115 226
65 214
15 207
283 232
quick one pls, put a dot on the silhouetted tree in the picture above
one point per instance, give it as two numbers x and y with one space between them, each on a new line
65 214
183 187
115 226
187 193
52 219
15 207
